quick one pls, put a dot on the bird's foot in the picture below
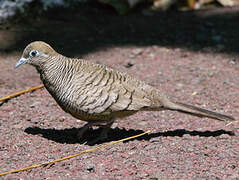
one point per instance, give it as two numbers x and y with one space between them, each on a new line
101 138
83 130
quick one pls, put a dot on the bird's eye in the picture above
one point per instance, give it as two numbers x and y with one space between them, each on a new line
33 53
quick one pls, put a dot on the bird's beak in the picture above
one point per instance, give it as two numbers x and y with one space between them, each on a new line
21 61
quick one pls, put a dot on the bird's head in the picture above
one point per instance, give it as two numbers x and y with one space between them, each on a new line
36 53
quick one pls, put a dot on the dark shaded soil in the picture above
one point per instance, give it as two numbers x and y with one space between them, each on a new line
191 56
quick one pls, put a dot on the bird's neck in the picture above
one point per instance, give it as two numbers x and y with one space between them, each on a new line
54 71
57 75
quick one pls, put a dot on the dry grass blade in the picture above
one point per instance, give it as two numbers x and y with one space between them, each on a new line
21 92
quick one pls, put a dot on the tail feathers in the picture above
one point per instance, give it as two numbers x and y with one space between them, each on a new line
196 111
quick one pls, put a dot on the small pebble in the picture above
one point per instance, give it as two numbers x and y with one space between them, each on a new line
142 123
90 168
137 51
187 136
34 104
224 136
232 61
129 64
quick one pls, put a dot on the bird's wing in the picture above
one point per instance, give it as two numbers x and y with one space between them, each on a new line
130 98
111 92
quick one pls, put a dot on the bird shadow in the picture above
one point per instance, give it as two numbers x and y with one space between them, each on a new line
69 136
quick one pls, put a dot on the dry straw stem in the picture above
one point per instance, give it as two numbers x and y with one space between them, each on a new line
21 92
78 154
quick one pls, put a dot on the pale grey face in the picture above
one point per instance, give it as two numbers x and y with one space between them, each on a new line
35 53
27 59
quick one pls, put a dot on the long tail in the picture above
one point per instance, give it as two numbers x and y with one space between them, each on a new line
196 111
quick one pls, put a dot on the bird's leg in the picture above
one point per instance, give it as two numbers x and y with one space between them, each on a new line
84 129
103 135
105 130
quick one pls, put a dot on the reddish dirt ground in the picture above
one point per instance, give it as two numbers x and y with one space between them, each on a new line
191 56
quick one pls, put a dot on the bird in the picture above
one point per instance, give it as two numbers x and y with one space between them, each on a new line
97 94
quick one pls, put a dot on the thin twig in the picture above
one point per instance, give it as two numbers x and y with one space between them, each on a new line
21 92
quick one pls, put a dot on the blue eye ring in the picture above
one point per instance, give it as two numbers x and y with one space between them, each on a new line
33 53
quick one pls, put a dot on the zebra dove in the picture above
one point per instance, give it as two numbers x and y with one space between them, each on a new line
97 94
